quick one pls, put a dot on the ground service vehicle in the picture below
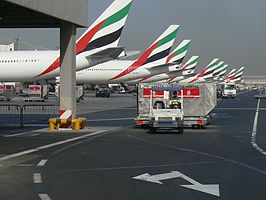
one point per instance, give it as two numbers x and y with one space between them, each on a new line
162 106
80 92
229 91
198 102
102 92
7 92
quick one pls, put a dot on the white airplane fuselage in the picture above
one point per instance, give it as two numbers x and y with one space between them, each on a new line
29 65
105 72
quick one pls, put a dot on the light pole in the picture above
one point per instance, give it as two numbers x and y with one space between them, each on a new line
16 45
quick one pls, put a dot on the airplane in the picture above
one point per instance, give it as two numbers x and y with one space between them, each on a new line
236 77
205 74
187 70
177 56
152 61
222 72
230 74
217 69
96 45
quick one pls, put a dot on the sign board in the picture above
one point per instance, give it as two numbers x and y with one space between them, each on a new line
187 93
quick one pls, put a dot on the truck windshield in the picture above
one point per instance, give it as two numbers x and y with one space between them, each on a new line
230 87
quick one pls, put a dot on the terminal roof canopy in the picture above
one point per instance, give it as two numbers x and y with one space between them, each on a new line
42 13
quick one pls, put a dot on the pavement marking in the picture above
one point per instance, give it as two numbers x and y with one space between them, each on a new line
112 119
42 162
201 153
240 108
254 131
17 134
37 178
25 165
101 110
212 189
138 166
44 197
49 145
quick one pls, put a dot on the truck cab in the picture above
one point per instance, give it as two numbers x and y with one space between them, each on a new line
166 109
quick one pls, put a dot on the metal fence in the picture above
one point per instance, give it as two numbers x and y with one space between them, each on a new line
27 114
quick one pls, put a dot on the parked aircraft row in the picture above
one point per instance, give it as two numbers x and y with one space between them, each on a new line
98 58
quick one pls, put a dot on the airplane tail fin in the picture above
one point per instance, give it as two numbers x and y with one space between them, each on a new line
230 74
218 68
236 76
177 56
209 69
106 30
191 63
160 49
207 72
157 52
223 71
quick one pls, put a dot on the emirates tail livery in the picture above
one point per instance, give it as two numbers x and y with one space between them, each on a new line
152 61
206 73
98 44
229 75
176 57
187 70
236 76
222 72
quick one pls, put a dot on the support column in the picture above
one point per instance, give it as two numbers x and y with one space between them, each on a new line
67 70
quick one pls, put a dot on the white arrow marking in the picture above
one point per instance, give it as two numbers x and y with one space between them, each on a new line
212 189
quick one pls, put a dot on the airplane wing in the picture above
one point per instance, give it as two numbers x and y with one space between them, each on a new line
126 55
104 55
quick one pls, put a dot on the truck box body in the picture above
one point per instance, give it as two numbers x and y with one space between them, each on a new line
80 92
7 92
199 100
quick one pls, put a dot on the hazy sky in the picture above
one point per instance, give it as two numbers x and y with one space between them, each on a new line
232 30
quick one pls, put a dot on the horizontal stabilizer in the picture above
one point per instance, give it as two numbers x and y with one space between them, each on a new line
105 55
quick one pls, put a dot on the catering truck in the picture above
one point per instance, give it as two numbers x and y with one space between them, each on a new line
7 91
36 93
198 100
229 90
80 92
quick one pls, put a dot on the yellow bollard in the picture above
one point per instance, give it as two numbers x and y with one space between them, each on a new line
52 123
55 123
76 123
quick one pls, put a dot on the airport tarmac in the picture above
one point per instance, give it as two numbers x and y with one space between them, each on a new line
111 159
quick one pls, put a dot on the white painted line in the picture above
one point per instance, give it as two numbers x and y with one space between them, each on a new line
254 131
212 189
44 197
113 119
37 178
49 145
17 134
25 165
42 162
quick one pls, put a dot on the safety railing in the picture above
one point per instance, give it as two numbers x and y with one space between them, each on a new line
27 114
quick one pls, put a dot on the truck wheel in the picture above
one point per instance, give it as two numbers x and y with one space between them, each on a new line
152 130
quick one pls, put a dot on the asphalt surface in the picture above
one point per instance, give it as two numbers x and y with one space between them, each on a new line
101 161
